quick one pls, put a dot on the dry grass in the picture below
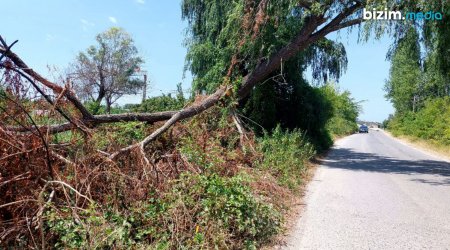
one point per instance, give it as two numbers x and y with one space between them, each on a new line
119 185
430 146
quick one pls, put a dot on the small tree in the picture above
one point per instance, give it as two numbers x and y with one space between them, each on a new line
105 71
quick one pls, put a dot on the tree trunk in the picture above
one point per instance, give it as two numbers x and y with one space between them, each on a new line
108 105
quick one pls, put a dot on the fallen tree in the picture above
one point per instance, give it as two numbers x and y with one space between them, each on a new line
122 165
317 25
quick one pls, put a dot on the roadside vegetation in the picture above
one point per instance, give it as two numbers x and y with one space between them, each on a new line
206 185
214 170
419 84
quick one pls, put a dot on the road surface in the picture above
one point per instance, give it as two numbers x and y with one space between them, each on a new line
373 192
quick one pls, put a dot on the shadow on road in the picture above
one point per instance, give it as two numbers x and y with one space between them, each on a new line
345 158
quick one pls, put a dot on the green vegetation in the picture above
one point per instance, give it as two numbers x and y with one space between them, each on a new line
198 211
285 156
214 205
223 32
345 111
431 122
220 35
162 103
419 81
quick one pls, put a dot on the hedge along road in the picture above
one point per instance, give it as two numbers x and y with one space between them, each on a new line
373 192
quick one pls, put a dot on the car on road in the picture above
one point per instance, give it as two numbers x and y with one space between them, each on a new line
363 129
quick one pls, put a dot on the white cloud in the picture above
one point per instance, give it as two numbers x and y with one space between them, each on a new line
112 19
140 1
50 37
86 24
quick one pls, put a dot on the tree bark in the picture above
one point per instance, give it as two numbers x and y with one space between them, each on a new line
301 41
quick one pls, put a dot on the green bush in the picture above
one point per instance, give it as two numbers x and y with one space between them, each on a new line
431 122
345 110
119 134
285 154
198 211
225 208
91 230
162 103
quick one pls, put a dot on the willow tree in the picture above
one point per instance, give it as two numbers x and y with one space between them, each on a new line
235 45
233 40
229 40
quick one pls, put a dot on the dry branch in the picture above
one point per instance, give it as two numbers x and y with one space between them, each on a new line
53 86
306 36
182 114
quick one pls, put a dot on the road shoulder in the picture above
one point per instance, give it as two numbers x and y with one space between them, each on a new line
426 149
293 220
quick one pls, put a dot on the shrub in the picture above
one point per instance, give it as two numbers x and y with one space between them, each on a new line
119 134
198 211
91 229
163 102
285 154
430 122
225 212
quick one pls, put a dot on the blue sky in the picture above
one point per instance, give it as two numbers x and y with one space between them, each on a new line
52 32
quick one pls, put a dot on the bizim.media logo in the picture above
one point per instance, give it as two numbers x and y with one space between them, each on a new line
398 15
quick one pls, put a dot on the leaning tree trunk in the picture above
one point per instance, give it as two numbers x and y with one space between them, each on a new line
315 28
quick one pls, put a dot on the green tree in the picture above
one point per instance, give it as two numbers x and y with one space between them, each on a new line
345 110
163 102
436 35
104 72
403 86
228 39
420 93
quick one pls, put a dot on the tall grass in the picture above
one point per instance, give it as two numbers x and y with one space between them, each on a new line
285 155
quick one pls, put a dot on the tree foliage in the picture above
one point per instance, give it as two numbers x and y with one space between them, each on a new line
104 71
403 86
419 83
229 38
163 102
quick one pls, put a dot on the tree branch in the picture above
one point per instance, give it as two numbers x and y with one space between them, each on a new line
56 88
190 111
264 68
346 24
100 119
336 24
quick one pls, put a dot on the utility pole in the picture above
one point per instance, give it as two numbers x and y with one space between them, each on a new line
144 92
137 73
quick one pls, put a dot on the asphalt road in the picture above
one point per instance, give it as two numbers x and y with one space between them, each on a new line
374 192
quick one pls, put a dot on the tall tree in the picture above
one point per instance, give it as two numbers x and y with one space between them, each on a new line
437 45
228 39
404 85
249 60
104 71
